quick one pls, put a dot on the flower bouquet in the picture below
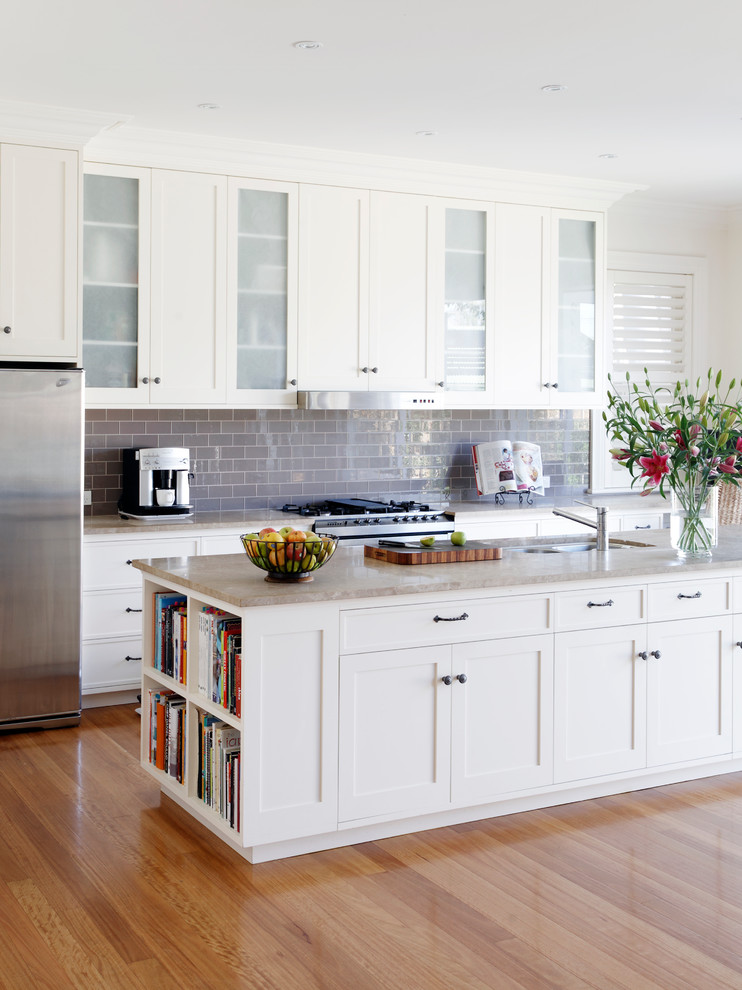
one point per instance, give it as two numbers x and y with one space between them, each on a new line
686 440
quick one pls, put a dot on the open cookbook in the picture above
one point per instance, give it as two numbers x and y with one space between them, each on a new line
505 466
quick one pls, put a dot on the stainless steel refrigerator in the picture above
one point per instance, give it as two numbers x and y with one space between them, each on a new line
41 477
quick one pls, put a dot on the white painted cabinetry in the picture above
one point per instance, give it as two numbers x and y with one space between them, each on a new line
39 234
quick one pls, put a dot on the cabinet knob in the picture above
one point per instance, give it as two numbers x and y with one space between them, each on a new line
447 680
655 653
293 382
145 381
643 655
6 330
373 371
462 678
739 644
441 384
128 561
364 370
157 381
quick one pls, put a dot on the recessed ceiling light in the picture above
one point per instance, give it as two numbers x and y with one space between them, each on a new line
426 133
553 88
308 45
208 106
608 155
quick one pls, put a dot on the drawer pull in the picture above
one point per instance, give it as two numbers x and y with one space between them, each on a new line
454 618
600 604
462 678
133 609
655 653
643 655
648 526
447 680
697 595
128 561
131 659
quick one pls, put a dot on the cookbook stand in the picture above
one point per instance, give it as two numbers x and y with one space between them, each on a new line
524 493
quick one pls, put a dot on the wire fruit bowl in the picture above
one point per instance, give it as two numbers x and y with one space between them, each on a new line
289 560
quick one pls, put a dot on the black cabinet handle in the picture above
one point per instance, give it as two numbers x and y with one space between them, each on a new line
157 380
454 618
133 610
447 680
6 330
648 526
128 561
655 653
739 645
643 655
600 604
697 595
145 381
292 381
462 678
130 659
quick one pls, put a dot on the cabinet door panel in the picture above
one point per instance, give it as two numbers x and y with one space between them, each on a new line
290 712
399 343
333 287
502 717
599 702
189 291
689 690
38 252
395 724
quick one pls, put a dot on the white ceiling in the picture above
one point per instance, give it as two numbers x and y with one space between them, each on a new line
656 82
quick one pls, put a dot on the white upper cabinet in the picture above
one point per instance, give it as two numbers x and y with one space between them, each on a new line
115 284
189 288
549 274
39 224
262 287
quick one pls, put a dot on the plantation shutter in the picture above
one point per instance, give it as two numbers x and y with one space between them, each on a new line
650 326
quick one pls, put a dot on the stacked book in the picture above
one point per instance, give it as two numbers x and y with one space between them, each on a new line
218 782
167 733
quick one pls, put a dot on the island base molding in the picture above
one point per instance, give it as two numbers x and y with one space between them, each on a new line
349 833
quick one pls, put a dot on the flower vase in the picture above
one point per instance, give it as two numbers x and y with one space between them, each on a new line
694 520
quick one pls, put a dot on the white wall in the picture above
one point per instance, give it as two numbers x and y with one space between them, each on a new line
638 224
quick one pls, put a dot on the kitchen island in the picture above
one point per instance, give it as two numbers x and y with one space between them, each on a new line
373 701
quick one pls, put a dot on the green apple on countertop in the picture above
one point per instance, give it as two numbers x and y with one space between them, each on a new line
458 538
427 541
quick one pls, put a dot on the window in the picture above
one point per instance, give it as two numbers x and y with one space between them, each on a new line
650 323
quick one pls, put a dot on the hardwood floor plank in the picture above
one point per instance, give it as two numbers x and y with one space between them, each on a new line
105 884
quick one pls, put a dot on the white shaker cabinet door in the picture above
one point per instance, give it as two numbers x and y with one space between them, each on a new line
395 733
333 288
689 689
502 717
39 193
189 288
600 702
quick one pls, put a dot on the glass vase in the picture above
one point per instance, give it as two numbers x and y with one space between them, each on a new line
694 520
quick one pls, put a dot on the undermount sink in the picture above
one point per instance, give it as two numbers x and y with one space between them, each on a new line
574 547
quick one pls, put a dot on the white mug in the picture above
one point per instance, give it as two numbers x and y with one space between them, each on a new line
165 496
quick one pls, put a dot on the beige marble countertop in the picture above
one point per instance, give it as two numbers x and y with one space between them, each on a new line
349 576
256 519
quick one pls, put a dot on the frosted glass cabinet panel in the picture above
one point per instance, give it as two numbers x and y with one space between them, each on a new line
115 326
576 286
466 279
262 292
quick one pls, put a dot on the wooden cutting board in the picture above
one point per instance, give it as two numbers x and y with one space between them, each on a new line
407 554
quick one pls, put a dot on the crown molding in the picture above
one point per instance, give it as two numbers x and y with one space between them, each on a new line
58 127
139 146
692 214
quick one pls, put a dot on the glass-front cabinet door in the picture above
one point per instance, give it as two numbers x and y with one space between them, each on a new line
262 342
577 307
466 352
115 310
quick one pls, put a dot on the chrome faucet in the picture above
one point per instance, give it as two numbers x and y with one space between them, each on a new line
600 525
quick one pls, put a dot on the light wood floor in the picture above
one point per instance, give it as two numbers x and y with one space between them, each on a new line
100 887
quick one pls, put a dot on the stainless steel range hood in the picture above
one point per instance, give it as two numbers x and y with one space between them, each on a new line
371 400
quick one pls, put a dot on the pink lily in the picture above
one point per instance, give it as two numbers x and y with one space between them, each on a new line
656 426
655 466
727 466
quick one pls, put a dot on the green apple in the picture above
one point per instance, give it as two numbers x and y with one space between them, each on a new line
427 541
285 529
458 538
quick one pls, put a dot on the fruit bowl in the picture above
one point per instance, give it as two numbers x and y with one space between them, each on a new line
287 559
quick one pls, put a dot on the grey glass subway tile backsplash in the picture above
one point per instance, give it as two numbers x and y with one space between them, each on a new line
257 459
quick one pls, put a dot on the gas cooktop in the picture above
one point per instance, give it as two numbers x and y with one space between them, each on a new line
360 520
358 507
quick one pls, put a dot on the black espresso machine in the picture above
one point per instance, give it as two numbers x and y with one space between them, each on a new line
155 483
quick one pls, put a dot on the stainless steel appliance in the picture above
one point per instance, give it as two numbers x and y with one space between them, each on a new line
156 483
41 472
358 520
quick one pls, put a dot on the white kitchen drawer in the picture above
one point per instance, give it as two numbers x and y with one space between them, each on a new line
643 520
112 613
499 529
222 543
600 608
364 630
111 665
107 565
689 599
